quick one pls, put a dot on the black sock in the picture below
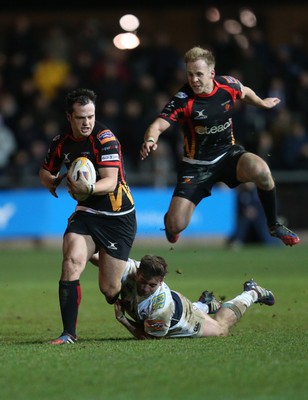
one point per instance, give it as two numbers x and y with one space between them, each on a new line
268 201
69 297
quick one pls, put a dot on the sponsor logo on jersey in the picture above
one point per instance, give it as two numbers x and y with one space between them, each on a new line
110 157
159 301
154 324
105 136
66 157
181 95
112 245
170 106
200 115
187 179
106 148
230 79
205 130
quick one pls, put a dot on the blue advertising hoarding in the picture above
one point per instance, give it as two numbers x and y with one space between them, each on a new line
34 213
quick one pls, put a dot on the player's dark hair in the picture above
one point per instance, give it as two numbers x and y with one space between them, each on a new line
81 96
151 266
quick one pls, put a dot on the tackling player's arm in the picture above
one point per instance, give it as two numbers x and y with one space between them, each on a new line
151 136
250 97
133 327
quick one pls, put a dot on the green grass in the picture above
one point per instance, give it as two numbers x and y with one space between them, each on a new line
264 358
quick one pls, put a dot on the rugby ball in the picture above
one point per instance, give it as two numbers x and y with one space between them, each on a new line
84 166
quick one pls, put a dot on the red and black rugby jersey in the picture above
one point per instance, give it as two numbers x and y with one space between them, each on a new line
104 150
206 119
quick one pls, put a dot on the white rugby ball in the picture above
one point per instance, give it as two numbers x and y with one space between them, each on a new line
84 166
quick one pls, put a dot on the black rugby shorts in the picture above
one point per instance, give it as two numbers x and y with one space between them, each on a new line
115 234
195 182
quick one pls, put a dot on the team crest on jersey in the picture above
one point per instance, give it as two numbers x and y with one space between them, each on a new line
181 95
159 301
105 136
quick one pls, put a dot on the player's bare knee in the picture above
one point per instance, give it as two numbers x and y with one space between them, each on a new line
264 180
72 267
111 293
175 225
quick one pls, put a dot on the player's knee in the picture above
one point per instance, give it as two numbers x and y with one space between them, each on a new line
111 292
264 179
261 176
224 331
72 267
175 225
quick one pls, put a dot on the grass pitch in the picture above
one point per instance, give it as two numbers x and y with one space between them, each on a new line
264 358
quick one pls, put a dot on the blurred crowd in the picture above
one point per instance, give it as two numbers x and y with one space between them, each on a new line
39 64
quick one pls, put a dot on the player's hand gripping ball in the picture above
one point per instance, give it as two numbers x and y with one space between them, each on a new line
82 169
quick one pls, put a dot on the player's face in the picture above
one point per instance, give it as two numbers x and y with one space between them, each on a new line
82 120
147 286
200 76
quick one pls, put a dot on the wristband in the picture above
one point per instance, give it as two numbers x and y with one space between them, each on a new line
92 187
150 139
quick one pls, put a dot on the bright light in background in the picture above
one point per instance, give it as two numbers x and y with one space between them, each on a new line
232 26
126 41
242 41
212 14
248 18
129 22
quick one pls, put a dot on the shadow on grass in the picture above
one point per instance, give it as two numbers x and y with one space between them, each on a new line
80 341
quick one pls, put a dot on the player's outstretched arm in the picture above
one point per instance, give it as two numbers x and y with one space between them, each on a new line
135 329
250 97
151 136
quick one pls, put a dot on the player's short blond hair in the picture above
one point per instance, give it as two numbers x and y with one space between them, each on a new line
198 53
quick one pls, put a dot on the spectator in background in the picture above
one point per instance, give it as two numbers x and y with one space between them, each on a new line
250 224
294 148
21 53
25 39
132 127
9 110
26 130
49 74
164 60
301 97
111 74
110 111
8 146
